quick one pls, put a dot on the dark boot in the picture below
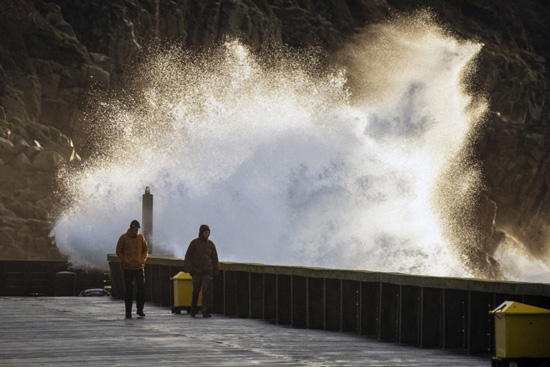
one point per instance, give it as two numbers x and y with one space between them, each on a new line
128 311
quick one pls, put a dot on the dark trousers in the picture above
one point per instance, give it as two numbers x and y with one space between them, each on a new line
129 277
204 282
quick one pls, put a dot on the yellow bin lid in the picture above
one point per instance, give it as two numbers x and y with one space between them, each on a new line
181 275
511 307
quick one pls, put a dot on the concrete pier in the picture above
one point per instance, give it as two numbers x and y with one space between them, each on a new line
421 311
92 331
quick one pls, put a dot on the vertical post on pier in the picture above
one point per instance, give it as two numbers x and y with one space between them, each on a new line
147 217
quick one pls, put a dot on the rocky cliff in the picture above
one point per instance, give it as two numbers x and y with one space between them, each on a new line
53 53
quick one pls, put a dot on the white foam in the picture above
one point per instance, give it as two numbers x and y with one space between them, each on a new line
285 163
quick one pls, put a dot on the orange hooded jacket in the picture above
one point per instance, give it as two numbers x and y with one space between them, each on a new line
132 251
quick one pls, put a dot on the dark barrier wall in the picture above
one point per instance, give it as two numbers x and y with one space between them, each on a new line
29 278
431 312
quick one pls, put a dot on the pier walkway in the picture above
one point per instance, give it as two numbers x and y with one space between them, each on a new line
92 331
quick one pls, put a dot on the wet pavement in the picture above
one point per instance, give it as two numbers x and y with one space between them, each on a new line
92 331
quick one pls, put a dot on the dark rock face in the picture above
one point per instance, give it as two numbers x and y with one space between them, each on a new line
514 144
51 54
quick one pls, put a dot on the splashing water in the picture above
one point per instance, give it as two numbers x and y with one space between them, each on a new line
519 264
285 162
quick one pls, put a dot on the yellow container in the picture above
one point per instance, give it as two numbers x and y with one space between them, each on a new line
183 290
521 331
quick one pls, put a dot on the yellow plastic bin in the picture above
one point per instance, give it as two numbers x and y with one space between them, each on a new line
183 292
521 331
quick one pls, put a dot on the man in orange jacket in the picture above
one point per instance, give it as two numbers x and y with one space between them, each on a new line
132 251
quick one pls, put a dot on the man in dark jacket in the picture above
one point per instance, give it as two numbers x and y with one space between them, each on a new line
132 251
201 261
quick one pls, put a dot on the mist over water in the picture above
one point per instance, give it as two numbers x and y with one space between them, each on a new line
289 162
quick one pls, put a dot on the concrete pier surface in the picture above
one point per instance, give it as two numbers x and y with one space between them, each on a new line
92 331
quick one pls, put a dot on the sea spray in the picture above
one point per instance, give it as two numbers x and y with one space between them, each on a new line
289 161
